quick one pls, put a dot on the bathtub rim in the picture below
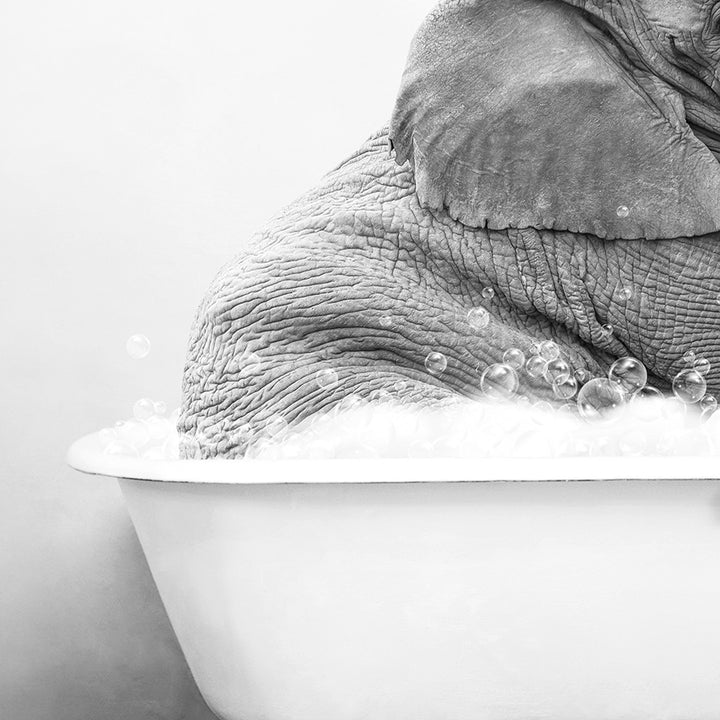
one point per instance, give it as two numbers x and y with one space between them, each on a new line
86 455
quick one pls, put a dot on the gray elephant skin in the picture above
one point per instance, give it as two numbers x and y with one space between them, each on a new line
563 155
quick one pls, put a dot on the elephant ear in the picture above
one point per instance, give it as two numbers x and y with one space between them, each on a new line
521 113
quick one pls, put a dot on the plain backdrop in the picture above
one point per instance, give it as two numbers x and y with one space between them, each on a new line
141 143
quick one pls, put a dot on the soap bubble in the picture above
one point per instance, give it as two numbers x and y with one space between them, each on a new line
647 392
327 378
557 371
143 409
386 321
160 407
499 381
598 397
276 426
549 350
350 402
629 373
607 330
582 376
689 386
379 395
626 292
702 365
514 357
623 211
689 357
565 388
708 405
137 346
488 293
478 318
535 367
133 432
436 363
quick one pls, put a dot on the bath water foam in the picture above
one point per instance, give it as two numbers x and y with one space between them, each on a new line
359 428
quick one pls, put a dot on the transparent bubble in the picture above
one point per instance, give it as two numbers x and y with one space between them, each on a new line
436 363
582 375
499 381
379 395
276 426
137 346
349 402
143 409
623 211
689 386
160 407
549 350
689 357
386 321
598 397
566 388
535 367
607 330
326 378
133 432
629 373
702 365
478 318
557 371
488 293
647 392
514 357
626 292
709 404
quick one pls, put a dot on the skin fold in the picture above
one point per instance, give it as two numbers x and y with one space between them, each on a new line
364 276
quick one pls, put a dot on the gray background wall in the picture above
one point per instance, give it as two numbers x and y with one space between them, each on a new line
141 142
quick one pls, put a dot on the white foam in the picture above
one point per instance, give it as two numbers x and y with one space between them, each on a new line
463 429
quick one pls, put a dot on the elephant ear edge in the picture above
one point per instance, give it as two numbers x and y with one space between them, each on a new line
516 113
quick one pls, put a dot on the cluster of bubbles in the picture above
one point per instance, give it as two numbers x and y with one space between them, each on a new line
592 398
150 433
628 416
364 429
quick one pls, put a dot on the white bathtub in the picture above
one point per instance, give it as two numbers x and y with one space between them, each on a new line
436 589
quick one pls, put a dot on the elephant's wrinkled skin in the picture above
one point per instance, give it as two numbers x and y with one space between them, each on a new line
361 276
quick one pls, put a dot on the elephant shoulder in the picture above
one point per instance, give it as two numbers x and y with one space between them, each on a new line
520 113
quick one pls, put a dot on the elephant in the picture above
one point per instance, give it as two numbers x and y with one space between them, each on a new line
550 167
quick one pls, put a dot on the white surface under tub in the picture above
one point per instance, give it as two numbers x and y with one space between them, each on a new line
425 590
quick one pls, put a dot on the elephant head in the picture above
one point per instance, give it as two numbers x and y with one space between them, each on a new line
548 175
